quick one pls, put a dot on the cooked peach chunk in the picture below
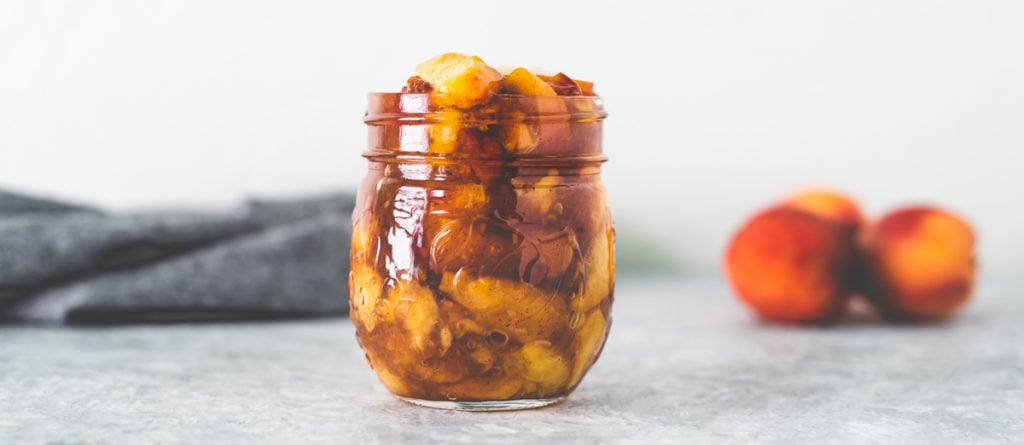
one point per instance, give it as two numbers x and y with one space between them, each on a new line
449 369
551 127
537 199
544 366
470 241
587 343
444 134
508 307
484 388
365 287
416 306
363 240
598 266
563 85
459 80
522 81
394 382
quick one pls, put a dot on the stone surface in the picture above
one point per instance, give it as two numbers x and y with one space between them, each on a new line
684 363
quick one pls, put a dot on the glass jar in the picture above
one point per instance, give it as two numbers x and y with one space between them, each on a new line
483 250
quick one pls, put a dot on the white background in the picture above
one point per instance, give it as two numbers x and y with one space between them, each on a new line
717 107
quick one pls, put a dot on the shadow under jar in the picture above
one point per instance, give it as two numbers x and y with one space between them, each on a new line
483 249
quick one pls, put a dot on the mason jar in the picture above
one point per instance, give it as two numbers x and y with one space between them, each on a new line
482 249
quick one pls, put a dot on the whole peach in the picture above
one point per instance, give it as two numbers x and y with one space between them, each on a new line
831 205
919 263
792 266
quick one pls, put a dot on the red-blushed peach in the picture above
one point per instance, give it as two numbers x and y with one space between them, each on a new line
791 266
919 263
830 205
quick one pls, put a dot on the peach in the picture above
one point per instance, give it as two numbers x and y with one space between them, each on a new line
508 307
586 88
393 381
563 85
473 242
544 366
549 130
919 263
791 266
446 133
567 86
830 205
587 344
599 266
522 81
459 80
366 288
416 306
488 387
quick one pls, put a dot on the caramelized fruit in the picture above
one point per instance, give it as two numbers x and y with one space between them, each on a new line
484 268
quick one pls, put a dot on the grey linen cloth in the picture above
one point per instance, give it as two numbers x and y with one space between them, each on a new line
68 263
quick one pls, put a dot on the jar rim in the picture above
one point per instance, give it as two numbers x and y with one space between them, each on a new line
421 107
524 161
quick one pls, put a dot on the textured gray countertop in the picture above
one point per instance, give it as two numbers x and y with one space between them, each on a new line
684 363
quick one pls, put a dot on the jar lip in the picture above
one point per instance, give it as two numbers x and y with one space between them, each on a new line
392 106
507 161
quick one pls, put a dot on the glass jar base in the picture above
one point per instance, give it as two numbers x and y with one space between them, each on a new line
489 405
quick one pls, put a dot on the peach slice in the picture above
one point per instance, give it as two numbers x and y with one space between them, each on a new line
539 199
392 380
365 289
563 85
598 267
522 81
363 239
544 366
445 134
549 129
586 88
472 242
416 305
486 387
920 263
587 344
459 80
560 82
508 307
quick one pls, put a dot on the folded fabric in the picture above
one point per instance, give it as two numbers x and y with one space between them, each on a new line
69 263
12 203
